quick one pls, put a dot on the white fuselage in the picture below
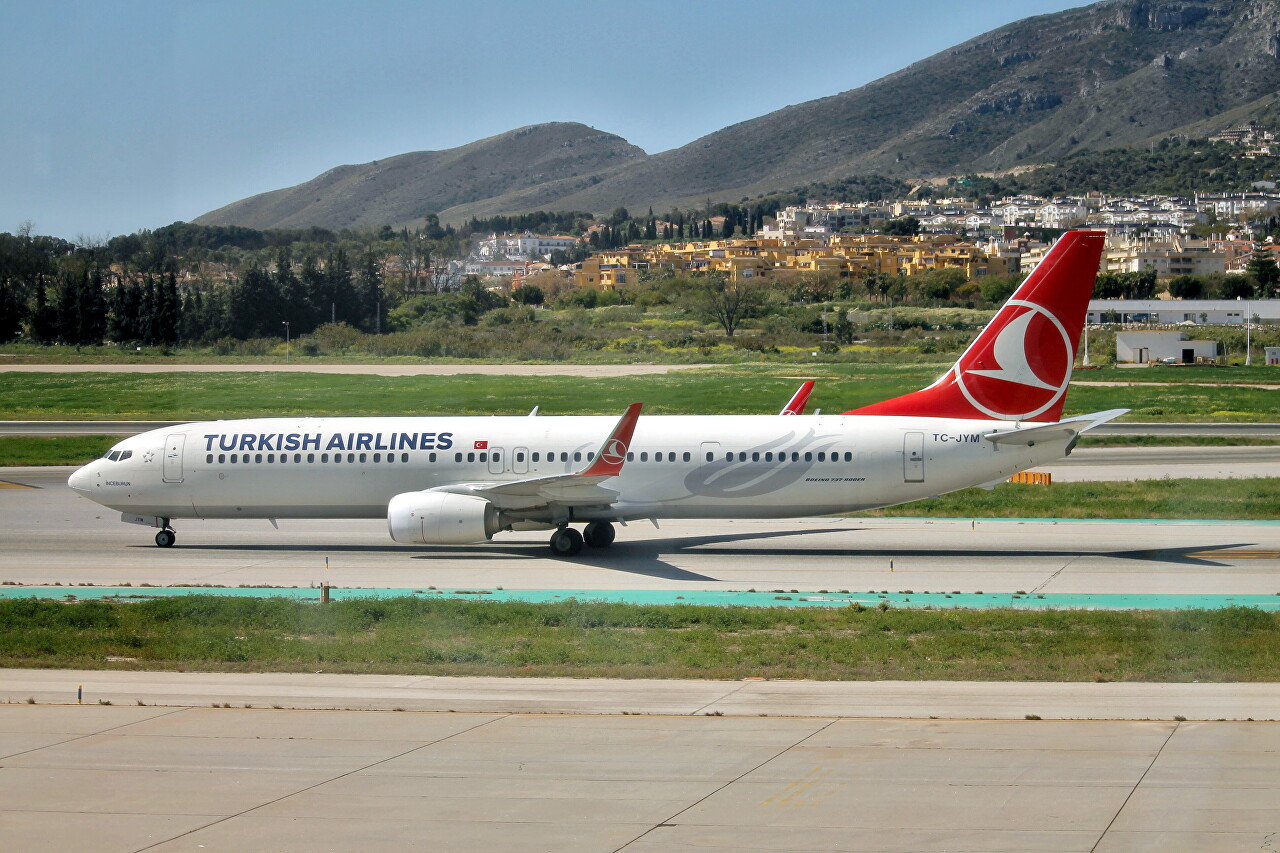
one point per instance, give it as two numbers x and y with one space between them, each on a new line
730 466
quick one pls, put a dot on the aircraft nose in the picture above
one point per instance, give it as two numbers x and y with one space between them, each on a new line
81 480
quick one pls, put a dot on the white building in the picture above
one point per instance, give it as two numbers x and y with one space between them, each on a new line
524 246
1201 312
1168 347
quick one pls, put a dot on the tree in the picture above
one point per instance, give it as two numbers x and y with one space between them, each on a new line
907 226
1186 287
727 303
529 294
1263 270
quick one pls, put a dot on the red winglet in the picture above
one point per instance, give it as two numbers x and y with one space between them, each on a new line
797 403
609 459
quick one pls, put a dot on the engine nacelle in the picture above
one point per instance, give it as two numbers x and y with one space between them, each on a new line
441 518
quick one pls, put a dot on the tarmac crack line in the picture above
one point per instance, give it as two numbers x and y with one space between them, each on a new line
1135 787
667 821
718 699
1040 587
94 734
307 788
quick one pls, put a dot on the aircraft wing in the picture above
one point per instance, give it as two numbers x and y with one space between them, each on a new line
1069 429
579 488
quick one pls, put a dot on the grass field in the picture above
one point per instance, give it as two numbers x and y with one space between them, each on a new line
729 390
1253 500
444 637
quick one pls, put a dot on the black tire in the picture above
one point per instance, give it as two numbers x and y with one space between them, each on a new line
599 534
166 538
566 542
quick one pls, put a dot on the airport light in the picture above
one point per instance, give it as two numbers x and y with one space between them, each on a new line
285 323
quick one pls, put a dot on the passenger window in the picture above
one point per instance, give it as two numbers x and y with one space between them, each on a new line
795 457
848 457
822 457
688 457
644 457
311 457
710 455
768 457
208 460
324 457
808 457
351 457
431 458
222 458
363 457
233 458
631 456
497 457
535 456
457 457
257 458
271 457
577 456
564 457
377 457
755 457
404 457
742 457
520 458
471 457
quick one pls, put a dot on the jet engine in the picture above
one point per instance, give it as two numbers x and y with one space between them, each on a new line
441 518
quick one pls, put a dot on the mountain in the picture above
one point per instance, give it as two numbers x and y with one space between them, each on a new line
1115 73
402 189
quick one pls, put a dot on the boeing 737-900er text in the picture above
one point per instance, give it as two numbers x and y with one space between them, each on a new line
444 480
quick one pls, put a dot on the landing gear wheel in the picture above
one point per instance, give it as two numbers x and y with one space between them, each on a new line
166 538
599 534
566 542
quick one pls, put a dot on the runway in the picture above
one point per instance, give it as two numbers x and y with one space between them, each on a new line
50 535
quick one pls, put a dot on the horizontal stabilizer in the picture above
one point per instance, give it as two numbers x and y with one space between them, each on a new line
1067 429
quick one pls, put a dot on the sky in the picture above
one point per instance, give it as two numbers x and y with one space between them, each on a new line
120 115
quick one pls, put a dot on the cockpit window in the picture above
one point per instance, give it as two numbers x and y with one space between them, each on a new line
119 455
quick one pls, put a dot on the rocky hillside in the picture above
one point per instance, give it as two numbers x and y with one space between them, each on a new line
1119 72
402 189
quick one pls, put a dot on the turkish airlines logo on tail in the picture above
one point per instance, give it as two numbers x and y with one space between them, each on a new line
1024 370
615 452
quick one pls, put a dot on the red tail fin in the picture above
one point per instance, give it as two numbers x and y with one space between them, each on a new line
1019 367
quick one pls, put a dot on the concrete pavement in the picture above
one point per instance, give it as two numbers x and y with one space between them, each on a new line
115 779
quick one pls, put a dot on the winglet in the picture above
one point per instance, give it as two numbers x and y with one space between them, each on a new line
797 403
609 459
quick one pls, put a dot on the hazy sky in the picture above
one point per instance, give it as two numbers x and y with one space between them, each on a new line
117 115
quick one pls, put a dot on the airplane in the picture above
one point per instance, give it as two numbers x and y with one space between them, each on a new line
444 480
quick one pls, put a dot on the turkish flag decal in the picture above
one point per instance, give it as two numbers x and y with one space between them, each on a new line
482 445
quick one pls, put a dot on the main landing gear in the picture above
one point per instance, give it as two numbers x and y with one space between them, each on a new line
567 542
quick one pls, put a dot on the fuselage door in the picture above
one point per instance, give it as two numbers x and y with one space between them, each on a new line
709 451
520 461
495 460
913 457
172 466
